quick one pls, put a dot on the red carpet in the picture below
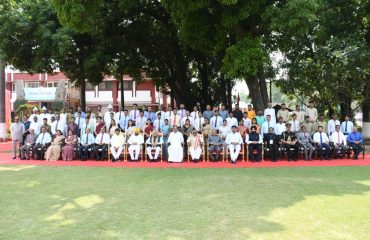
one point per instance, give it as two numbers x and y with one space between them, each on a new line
6 158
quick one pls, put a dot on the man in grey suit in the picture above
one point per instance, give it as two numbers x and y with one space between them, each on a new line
304 138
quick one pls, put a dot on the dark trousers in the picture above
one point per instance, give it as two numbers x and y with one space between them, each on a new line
39 154
103 148
84 151
320 148
292 154
25 151
251 148
357 149
217 149
274 148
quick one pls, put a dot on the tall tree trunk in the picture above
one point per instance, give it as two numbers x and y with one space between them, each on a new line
254 92
2 101
263 86
203 74
366 110
122 89
224 88
83 95
229 104
345 107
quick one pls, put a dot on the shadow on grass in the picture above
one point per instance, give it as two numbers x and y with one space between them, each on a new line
106 203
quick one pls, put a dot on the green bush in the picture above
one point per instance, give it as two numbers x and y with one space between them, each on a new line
19 102
57 105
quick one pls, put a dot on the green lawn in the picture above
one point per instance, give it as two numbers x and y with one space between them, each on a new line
116 203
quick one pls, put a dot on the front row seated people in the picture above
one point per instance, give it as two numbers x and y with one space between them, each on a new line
304 138
254 141
117 143
321 139
42 143
87 144
29 143
234 141
154 142
195 142
272 143
175 150
215 144
102 141
289 141
355 141
135 143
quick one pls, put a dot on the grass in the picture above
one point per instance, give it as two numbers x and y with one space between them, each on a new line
117 203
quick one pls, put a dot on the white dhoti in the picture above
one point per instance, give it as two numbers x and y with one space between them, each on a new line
234 151
175 153
195 153
116 153
149 151
134 151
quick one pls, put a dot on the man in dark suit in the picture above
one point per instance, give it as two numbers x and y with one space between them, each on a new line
289 140
272 143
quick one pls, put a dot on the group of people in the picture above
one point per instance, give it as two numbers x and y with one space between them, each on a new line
177 132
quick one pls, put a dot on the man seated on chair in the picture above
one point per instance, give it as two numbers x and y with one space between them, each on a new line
195 142
304 138
175 149
215 144
87 143
322 141
154 142
102 141
289 140
355 141
42 143
234 141
29 142
117 142
339 141
254 141
135 141
272 142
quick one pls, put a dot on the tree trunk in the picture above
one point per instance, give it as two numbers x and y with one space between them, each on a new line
83 95
203 75
345 107
229 104
263 86
224 88
366 110
2 101
122 92
255 92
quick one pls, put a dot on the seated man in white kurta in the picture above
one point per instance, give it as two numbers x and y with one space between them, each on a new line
135 141
154 142
195 142
234 140
117 141
175 149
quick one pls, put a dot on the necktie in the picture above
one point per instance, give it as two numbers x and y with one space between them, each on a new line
174 120
134 114
320 138
345 129
42 139
200 124
124 123
195 115
119 118
101 140
216 122
182 113
78 123
338 138
268 125
87 138
295 126
56 126
305 137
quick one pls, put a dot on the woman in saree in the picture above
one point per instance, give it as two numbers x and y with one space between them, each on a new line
68 151
53 152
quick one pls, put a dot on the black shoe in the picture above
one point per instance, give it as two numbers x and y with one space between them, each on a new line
14 157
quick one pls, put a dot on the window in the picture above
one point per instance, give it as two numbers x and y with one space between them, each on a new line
89 87
32 84
51 84
127 85
105 86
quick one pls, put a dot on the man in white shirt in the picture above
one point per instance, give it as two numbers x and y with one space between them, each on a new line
158 123
270 111
246 121
266 125
254 141
117 142
347 126
169 113
119 115
87 143
283 112
58 124
187 116
123 122
135 143
224 129
175 119
163 114
79 121
322 141
198 122
182 112
154 142
195 142
231 121
296 125
63 115
234 141
35 113
141 121
216 121
340 141
36 125
194 114
134 113
108 116
102 141
45 114
42 143
175 149
17 131
300 114
279 128
311 111
332 123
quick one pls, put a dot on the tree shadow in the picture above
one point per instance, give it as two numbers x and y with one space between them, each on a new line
110 203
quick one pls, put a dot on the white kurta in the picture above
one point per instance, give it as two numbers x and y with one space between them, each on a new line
175 150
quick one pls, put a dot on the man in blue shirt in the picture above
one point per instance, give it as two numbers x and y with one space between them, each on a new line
223 113
355 140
